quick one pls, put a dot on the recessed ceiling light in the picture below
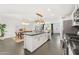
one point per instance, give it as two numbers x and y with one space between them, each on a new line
48 9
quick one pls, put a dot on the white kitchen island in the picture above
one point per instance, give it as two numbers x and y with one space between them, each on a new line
33 40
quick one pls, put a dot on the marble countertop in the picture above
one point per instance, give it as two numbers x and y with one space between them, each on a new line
33 33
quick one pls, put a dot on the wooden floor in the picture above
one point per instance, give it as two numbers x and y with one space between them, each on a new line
10 47
52 47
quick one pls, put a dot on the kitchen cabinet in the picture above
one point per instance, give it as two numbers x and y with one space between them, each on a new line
33 41
75 17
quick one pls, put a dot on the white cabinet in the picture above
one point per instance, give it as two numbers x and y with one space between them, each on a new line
31 43
75 16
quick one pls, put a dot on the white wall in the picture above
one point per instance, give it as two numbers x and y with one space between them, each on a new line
13 14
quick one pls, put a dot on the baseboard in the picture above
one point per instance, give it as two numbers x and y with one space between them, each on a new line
3 38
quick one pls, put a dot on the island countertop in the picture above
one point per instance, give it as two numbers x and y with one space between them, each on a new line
33 33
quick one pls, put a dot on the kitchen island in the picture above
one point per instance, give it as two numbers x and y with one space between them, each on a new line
33 40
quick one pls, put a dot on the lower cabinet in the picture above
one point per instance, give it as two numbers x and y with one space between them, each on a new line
31 43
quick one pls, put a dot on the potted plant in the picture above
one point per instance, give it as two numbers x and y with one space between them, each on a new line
2 29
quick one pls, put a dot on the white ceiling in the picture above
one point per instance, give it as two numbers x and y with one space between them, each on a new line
30 9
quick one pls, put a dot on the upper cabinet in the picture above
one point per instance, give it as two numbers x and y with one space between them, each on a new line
75 17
